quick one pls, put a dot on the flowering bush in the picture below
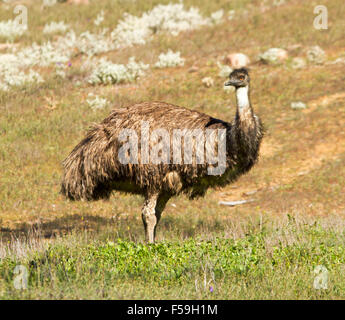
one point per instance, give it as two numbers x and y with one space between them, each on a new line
13 77
11 29
170 18
61 51
91 43
55 27
43 55
95 102
169 59
60 70
107 72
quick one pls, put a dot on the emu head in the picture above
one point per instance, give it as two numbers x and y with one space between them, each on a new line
238 78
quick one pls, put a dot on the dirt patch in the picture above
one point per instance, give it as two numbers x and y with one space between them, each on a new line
324 101
269 147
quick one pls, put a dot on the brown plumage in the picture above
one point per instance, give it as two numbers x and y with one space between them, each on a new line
93 169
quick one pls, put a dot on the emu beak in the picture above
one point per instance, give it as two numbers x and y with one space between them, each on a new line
228 83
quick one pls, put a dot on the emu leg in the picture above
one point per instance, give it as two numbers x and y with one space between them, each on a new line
152 210
161 202
148 215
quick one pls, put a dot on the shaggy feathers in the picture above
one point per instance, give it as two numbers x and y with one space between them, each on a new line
93 170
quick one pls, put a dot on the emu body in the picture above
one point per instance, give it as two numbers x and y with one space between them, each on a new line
93 169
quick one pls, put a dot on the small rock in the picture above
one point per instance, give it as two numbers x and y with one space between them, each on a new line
316 55
208 82
173 205
298 63
298 105
302 173
274 56
224 70
234 203
237 60
294 48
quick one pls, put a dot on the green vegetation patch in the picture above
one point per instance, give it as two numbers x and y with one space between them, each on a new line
198 268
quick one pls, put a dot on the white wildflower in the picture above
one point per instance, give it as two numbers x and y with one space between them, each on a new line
87 42
60 70
11 29
99 19
169 59
8 60
217 16
107 72
60 73
171 19
62 50
12 75
15 78
95 102
43 55
55 27
131 31
91 44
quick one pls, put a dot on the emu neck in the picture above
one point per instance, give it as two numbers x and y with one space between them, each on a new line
244 109
243 102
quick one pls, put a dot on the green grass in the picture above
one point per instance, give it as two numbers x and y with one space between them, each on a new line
251 267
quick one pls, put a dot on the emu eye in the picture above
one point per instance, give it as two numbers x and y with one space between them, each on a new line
241 78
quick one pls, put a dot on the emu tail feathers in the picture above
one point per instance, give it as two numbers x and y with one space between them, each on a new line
84 175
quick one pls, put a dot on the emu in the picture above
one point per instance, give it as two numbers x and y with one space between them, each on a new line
94 168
